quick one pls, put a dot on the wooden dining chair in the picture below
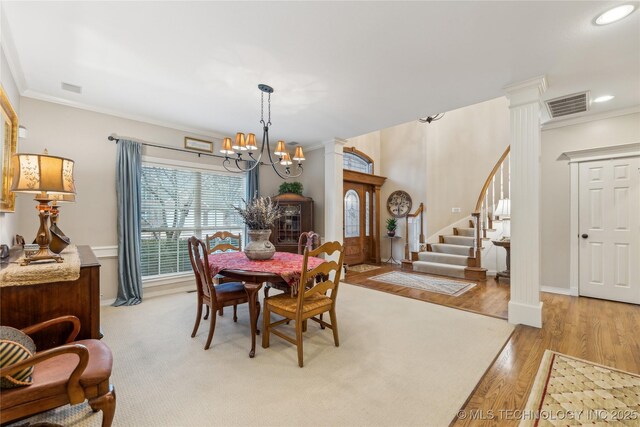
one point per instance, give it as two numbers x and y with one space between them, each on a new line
212 296
312 299
222 241
307 240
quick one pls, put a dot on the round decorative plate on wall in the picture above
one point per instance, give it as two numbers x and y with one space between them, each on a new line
399 204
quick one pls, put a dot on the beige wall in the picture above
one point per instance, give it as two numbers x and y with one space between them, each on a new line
556 184
312 180
443 164
82 136
8 220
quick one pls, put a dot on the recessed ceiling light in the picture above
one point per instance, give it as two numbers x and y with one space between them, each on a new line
604 98
615 14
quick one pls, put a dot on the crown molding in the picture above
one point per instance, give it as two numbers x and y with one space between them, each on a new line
29 93
590 118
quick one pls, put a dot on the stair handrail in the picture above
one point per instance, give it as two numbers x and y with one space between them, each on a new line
487 183
419 211
480 215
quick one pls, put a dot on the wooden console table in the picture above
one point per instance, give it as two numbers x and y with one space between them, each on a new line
506 244
25 305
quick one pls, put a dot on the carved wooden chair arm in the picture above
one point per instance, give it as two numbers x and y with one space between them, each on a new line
62 319
74 390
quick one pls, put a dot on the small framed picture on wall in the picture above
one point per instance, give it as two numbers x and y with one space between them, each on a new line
198 144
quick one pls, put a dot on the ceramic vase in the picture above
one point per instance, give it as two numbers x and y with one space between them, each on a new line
259 247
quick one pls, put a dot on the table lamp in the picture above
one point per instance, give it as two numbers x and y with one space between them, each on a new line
43 175
503 212
59 240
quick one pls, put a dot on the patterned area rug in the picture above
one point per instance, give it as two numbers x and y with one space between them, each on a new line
79 415
426 283
569 391
362 268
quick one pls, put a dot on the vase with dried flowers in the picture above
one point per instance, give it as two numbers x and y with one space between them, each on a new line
259 215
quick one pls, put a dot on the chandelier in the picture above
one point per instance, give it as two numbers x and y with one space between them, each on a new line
430 119
234 151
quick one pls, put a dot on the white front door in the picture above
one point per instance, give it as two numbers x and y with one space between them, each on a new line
610 229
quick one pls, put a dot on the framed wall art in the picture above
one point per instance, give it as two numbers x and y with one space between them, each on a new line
8 145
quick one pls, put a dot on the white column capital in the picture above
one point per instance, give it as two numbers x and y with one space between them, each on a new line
526 92
335 145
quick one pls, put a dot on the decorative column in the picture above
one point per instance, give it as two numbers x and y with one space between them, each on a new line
525 306
333 179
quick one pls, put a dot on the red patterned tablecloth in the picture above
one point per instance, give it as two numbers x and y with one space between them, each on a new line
284 264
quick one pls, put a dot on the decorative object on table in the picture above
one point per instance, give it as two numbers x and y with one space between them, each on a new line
248 144
214 297
581 391
432 118
44 175
20 240
392 224
291 188
506 244
198 144
58 239
399 204
4 251
296 216
503 212
9 144
30 249
82 373
259 215
312 299
425 283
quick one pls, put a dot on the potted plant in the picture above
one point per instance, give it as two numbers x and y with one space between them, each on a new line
392 224
259 215
291 188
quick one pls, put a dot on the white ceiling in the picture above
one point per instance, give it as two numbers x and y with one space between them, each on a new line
339 69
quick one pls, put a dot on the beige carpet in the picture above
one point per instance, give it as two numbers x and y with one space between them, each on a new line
401 362
570 391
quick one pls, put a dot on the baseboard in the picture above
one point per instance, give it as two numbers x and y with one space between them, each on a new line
151 292
525 314
556 290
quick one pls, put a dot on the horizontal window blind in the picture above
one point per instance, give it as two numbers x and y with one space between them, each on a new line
178 203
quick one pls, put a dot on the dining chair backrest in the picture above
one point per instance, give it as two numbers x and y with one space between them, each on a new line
223 241
308 240
200 264
328 271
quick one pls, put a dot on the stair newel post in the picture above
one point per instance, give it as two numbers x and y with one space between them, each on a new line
406 237
478 240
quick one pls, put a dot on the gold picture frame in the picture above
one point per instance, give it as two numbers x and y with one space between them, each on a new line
8 146
196 144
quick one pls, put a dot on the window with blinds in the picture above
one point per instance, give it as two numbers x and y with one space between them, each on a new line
178 203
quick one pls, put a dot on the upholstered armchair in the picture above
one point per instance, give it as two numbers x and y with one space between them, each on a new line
68 374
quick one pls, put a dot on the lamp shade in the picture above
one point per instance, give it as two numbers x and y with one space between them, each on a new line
251 142
226 146
37 173
240 143
298 155
61 198
280 149
503 210
286 159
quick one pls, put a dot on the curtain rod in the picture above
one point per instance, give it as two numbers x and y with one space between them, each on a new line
117 139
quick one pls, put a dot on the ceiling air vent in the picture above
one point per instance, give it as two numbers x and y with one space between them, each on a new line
571 104
71 88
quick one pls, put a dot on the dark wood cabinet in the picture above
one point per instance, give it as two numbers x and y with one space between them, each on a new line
297 217
21 306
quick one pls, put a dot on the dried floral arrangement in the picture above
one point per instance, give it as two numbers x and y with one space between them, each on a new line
259 214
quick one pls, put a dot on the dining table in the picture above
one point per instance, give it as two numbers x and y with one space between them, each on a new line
283 267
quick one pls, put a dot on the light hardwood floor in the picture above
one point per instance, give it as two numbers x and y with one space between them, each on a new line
603 332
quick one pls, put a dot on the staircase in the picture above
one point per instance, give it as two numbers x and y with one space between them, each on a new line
453 256
459 254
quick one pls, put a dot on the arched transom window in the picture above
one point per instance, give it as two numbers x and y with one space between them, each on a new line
355 160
